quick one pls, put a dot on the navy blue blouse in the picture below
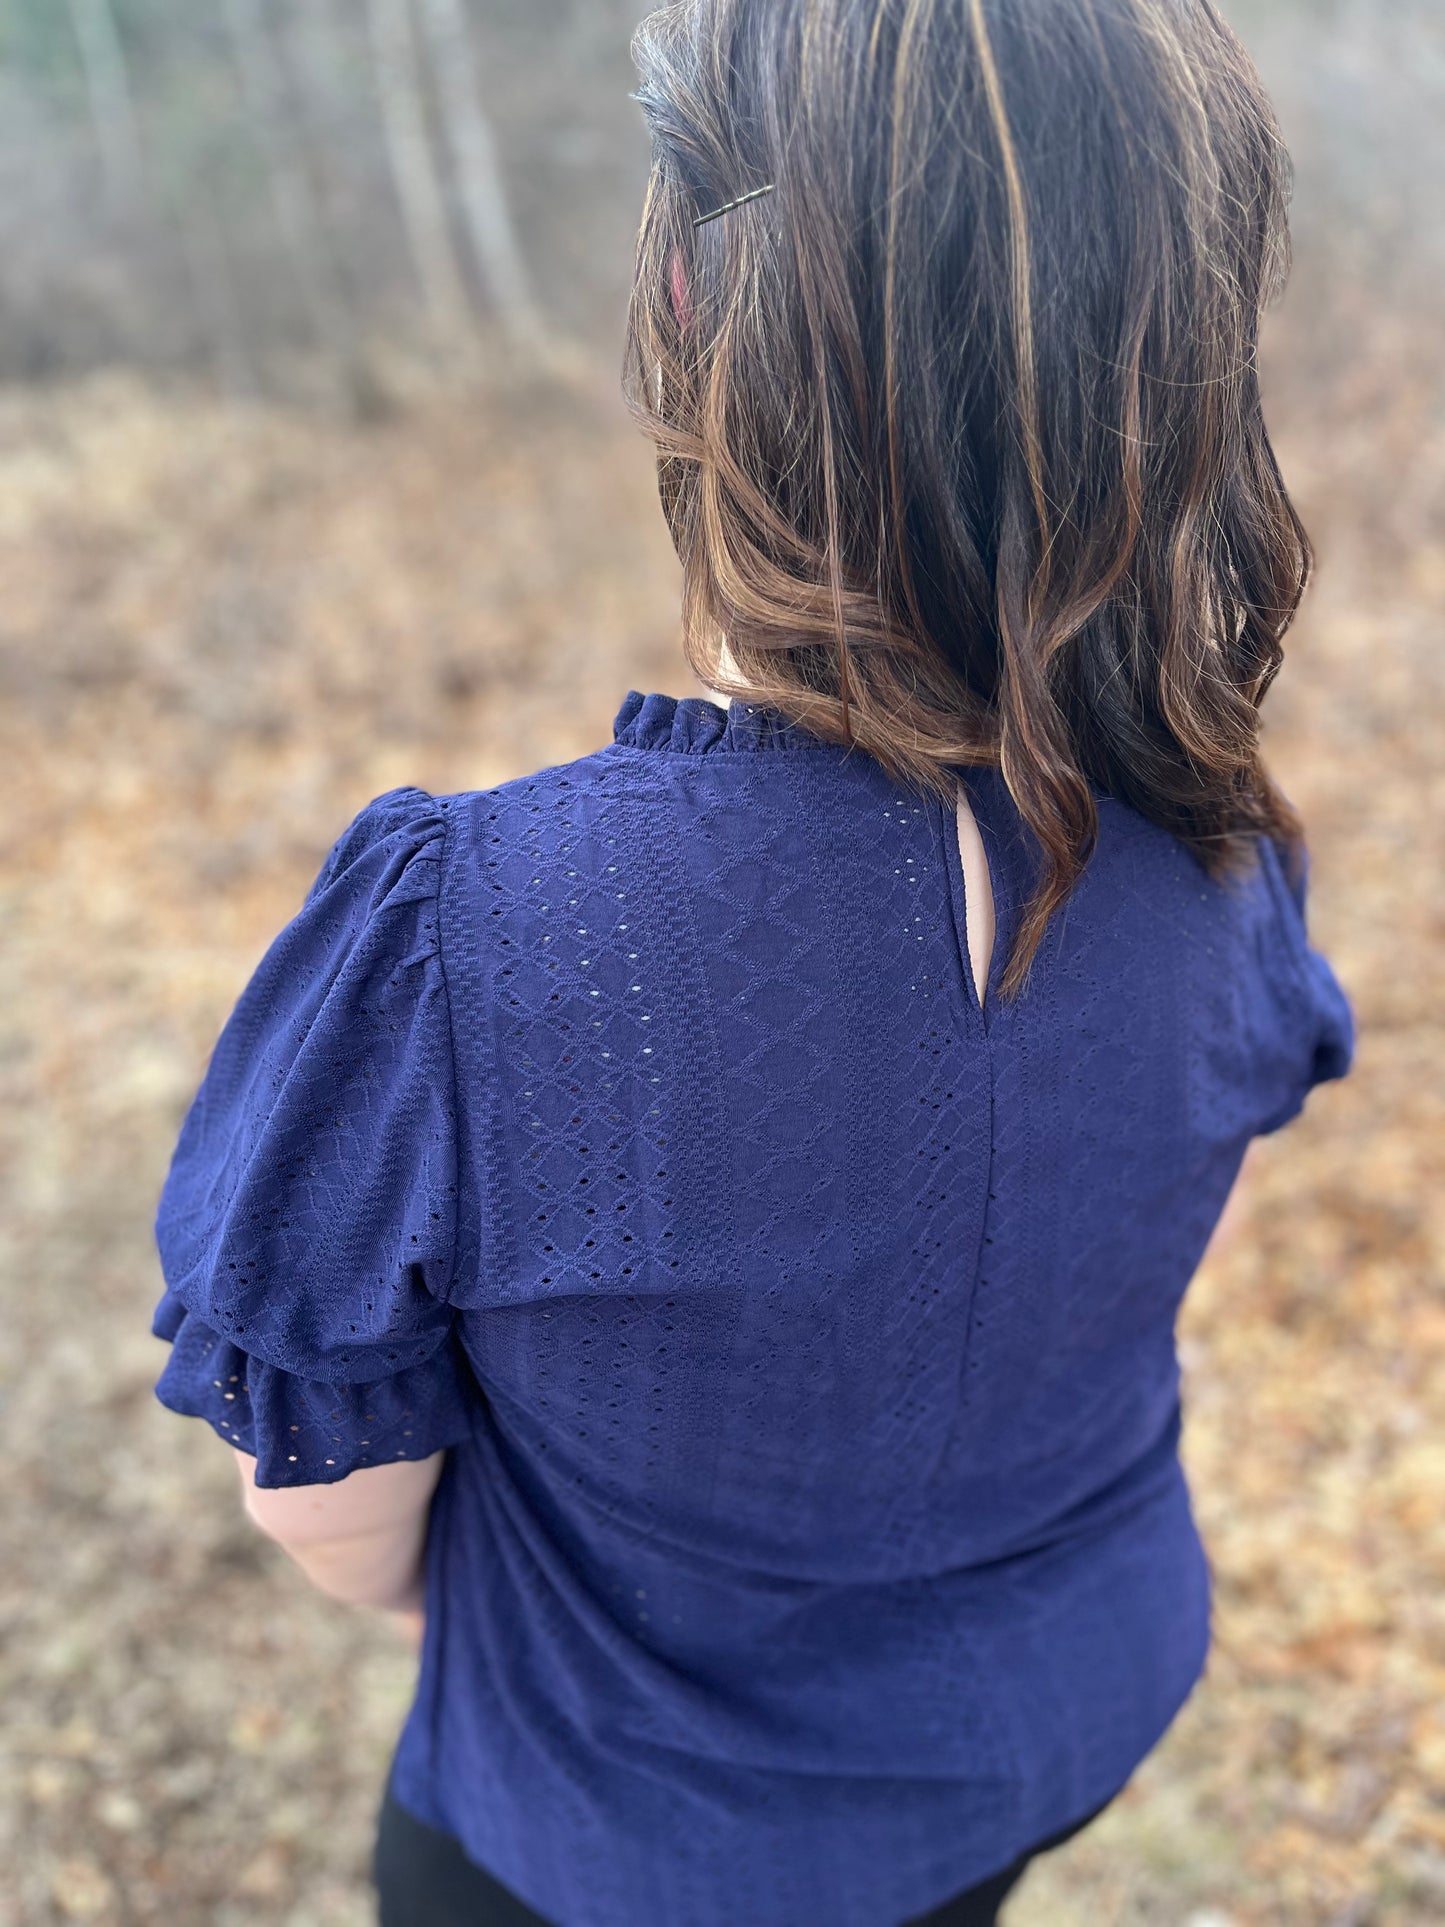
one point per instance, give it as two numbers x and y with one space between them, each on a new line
812 1537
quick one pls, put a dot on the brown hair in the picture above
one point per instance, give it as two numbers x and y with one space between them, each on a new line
959 431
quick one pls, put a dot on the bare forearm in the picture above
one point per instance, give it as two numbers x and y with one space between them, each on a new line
361 1540
382 1568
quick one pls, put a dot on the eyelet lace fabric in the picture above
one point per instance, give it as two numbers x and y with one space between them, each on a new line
307 1226
812 1538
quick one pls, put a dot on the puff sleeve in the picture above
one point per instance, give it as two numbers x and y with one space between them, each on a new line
1323 1026
307 1225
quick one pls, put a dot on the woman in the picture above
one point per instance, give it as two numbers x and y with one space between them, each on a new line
707 1221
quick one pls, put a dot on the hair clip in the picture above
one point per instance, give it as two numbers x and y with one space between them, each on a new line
728 206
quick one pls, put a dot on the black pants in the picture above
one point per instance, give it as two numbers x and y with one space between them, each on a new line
425 1880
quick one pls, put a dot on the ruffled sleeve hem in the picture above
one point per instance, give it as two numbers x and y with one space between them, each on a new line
304 1431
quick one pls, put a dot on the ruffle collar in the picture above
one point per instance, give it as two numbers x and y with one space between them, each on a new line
692 726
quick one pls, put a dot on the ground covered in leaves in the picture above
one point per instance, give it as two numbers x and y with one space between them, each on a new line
222 632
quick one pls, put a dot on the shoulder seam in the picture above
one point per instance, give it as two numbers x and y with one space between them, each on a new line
442 807
1289 915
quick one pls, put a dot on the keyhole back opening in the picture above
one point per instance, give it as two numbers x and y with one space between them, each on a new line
978 904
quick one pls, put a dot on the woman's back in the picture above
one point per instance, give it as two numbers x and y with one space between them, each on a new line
707 1153
798 1324
805 1353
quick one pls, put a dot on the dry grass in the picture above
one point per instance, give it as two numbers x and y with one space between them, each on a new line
221 634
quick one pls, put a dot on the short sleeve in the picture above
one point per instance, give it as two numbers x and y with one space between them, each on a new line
307 1225
1324 1022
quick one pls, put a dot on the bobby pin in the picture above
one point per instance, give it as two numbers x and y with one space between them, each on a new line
728 206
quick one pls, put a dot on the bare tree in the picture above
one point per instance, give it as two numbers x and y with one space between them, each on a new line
214 293
413 165
112 105
320 43
478 175
297 217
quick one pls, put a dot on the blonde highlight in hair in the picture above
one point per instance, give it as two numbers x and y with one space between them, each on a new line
958 429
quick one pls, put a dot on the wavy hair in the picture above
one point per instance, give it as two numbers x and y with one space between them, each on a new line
958 429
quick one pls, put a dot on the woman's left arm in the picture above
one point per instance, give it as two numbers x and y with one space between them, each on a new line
360 1540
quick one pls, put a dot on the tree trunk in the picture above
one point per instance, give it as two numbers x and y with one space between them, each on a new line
292 203
413 165
474 157
112 106
213 290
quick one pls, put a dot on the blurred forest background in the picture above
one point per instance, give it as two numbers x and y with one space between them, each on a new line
314 480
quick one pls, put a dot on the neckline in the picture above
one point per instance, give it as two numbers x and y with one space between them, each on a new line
695 726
